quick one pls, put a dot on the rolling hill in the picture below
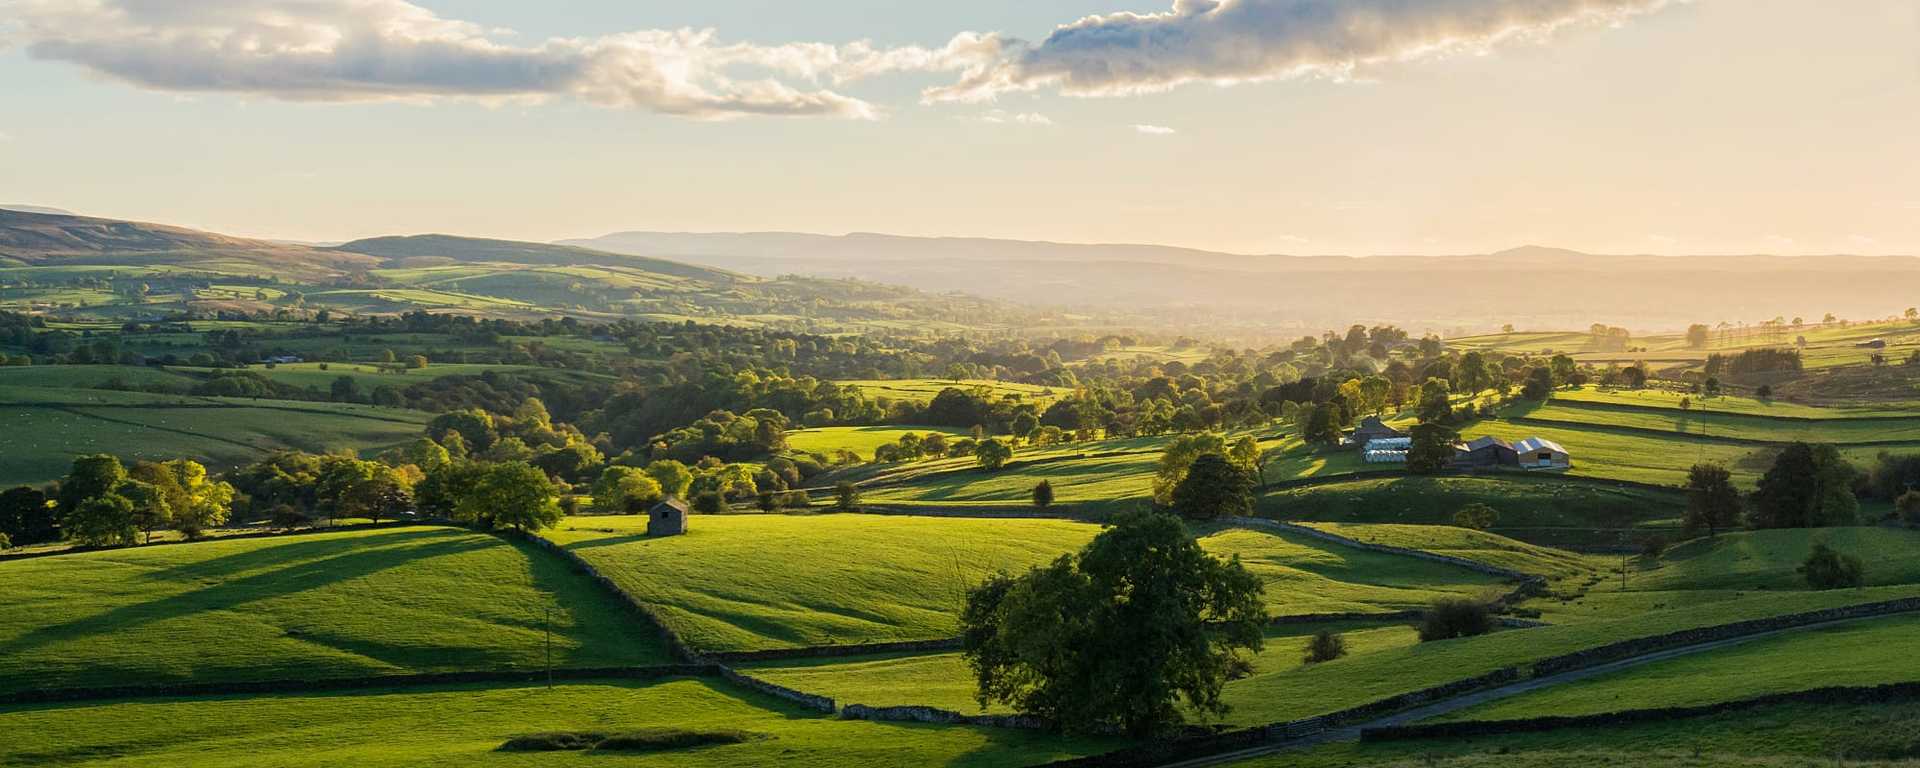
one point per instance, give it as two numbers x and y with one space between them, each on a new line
1427 292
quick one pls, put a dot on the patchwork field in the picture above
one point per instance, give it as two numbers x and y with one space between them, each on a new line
313 606
924 390
1305 575
1723 426
1771 559
1535 508
466 725
52 426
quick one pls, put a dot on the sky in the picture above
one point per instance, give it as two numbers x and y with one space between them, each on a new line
1257 126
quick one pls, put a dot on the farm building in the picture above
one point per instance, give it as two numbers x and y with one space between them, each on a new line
1372 428
1541 453
667 518
1485 453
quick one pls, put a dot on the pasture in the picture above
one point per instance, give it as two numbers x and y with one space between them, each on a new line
1536 508
860 440
1858 653
1305 575
750 582
464 725
357 603
1771 559
52 426
924 390
1708 424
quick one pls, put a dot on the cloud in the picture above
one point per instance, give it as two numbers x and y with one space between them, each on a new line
365 50
999 116
1154 130
1235 41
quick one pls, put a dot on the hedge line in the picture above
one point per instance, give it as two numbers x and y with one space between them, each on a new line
1879 694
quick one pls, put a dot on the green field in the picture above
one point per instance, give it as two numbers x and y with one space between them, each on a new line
1723 426
1860 653
1667 400
299 607
52 426
860 440
745 582
1531 507
1305 575
465 725
1771 559
1468 544
943 679
89 376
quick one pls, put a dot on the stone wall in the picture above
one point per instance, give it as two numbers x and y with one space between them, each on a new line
1880 694
936 715
835 651
1642 646
808 700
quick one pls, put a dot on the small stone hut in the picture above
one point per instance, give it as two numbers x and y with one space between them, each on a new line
667 518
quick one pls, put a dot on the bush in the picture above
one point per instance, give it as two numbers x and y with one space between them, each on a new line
768 501
1325 646
1652 547
1827 569
709 503
1043 494
1453 617
1477 516
846 497
795 499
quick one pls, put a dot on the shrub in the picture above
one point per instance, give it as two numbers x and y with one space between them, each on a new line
795 499
768 501
1325 646
1477 516
661 739
1043 494
1652 547
709 503
1827 569
846 497
1453 617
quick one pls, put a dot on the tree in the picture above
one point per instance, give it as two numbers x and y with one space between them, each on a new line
101 521
672 476
624 491
1476 516
1043 494
1321 425
1431 450
1808 486
1698 335
1827 569
709 503
992 454
90 477
1539 384
194 501
846 496
1435 402
1214 488
514 494
1177 457
1139 625
1245 454
27 517
1713 504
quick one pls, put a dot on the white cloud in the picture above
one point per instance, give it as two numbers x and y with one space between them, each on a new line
1154 130
361 50
5 137
1233 41
999 116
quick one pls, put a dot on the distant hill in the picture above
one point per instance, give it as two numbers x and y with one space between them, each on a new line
43 239
472 249
1532 285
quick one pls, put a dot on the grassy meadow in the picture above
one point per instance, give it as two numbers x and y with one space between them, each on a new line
748 582
319 605
924 390
465 726
1304 575
860 440
1859 653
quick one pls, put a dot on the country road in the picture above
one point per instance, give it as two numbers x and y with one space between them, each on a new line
1464 701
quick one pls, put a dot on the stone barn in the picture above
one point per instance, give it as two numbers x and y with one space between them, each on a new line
1541 453
1485 453
1372 428
667 518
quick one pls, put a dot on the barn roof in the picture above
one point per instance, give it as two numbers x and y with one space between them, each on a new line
1487 442
1535 444
671 502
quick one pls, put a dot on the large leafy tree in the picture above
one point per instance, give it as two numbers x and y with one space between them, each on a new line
515 495
1713 504
1121 636
26 517
1809 486
101 521
194 501
992 454
1177 457
1432 448
1436 404
90 477
1214 488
